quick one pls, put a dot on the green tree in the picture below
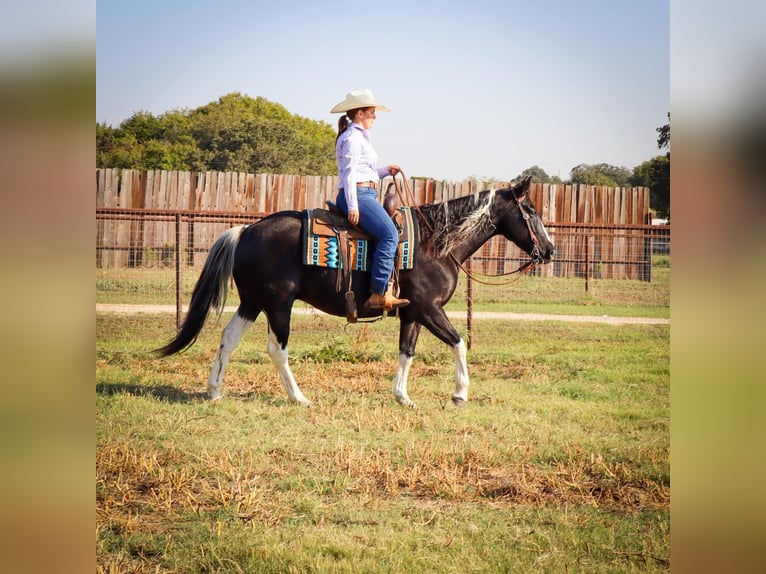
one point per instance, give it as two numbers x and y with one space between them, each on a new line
600 174
234 133
239 133
655 174
538 175
144 126
105 143
663 138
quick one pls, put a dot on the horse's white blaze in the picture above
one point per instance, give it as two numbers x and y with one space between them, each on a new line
400 384
545 232
279 358
461 371
231 335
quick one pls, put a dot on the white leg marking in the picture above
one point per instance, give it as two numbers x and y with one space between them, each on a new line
231 335
400 385
461 375
279 358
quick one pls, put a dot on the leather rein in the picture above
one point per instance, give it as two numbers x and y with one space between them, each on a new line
523 269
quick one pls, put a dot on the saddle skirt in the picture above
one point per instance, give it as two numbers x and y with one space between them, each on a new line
324 233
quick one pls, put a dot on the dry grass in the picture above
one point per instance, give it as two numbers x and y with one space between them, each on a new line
558 463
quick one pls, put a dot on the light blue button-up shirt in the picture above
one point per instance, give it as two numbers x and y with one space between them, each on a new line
357 161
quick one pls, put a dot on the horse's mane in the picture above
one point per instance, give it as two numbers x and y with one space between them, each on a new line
447 224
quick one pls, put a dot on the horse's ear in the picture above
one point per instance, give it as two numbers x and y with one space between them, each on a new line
520 188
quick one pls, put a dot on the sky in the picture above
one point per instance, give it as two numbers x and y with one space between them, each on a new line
484 89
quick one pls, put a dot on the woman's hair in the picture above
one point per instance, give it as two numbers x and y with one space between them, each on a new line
345 119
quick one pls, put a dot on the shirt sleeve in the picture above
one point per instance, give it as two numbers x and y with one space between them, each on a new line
351 151
383 172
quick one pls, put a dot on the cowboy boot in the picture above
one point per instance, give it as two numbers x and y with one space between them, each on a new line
386 301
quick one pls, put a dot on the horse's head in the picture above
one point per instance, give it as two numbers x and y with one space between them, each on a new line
516 218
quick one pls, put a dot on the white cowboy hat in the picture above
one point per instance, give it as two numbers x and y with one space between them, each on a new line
359 99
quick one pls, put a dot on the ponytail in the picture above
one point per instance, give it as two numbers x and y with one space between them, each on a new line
342 125
345 119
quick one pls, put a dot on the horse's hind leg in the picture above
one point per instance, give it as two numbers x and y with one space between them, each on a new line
408 337
279 330
231 335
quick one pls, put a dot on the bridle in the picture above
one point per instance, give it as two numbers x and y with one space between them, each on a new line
535 255
523 269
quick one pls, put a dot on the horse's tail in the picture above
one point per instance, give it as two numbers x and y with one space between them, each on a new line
211 290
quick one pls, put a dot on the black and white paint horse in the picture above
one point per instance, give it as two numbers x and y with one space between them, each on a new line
265 261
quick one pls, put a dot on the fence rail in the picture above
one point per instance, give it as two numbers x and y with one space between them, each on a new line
155 237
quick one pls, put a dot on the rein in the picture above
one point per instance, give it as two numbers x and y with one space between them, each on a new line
523 269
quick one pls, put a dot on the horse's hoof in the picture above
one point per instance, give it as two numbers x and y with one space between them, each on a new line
215 397
459 402
406 402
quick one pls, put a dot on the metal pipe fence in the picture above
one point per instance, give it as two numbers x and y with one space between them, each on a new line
155 256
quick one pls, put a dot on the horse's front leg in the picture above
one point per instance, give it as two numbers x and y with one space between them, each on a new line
437 322
460 398
408 337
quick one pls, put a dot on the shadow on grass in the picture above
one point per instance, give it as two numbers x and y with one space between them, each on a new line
163 392
172 394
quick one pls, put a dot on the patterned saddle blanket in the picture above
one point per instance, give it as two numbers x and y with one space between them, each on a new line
324 233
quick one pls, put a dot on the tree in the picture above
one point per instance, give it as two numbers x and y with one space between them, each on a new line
538 175
105 142
235 133
600 174
655 174
239 133
144 126
663 139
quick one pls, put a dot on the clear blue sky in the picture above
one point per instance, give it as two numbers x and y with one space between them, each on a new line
483 88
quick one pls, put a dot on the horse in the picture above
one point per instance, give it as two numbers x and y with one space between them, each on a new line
264 258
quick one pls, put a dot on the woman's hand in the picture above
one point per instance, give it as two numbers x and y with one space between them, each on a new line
353 217
394 169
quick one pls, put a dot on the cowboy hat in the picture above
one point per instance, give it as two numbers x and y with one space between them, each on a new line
359 99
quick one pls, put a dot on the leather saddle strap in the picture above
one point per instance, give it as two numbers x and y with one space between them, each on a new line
345 257
342 238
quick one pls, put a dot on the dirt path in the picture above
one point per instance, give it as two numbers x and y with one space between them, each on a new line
118 308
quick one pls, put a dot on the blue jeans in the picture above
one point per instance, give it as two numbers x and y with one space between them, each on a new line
375 221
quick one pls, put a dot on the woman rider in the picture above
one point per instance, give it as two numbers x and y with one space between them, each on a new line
358 177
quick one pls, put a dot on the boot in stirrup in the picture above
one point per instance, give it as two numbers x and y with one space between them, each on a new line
386 302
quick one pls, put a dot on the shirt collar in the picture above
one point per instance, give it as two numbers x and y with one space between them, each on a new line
357 126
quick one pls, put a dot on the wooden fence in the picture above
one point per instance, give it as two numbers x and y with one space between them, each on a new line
612 235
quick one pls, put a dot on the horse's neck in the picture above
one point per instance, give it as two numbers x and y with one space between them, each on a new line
471 245
464 228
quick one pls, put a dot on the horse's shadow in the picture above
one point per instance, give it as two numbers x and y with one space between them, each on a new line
171 394
166 393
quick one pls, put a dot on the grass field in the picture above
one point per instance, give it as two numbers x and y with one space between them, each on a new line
560 462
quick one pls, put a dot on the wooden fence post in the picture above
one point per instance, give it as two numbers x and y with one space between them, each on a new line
587 261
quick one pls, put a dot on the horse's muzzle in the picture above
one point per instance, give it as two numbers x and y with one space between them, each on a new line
544 256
